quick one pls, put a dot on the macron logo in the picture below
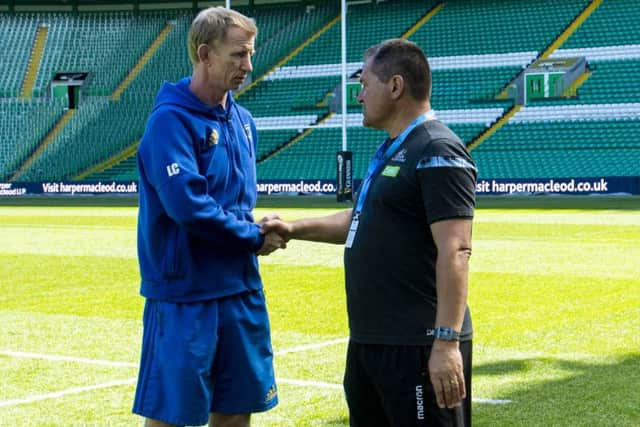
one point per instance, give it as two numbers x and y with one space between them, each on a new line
419 402
173 169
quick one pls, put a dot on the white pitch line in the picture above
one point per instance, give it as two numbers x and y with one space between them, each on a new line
303 383
311 346
491 401
75 390
25 355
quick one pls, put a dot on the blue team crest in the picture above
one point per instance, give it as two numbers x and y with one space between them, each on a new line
247 130
214 136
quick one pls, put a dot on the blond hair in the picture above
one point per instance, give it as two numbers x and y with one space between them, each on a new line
210 27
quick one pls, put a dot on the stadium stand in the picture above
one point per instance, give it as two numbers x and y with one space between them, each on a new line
16 36
598 30
106 44
454 88
285 97
590 134
610 82
90 139
23 124
477 48
282 29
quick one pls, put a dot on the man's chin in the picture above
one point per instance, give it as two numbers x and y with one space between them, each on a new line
369 124
236 83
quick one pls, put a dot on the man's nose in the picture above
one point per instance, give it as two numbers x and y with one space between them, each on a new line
246 64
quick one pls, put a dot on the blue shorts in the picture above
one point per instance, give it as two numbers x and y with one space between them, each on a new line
203 357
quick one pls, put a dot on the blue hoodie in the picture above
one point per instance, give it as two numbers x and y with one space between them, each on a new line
197 238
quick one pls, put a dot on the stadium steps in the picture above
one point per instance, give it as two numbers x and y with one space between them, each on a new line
125 170
34 62
494 128
45 142
293 53
144 59
110 163
571 28
293 141
572 91
422 21
598 30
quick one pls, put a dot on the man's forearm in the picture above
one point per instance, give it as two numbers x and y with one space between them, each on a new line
452 287
328 229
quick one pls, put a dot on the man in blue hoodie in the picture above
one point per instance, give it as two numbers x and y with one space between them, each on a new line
206 348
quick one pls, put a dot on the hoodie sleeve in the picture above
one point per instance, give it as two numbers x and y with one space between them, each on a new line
169 160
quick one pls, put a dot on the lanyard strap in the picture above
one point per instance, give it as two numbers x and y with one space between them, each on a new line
384 153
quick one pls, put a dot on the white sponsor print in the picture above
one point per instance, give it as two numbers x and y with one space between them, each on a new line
400 156
550 186
419 402
173 169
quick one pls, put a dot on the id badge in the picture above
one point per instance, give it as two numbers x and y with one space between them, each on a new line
352 232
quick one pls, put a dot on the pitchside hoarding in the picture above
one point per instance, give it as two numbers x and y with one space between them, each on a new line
560 186
68 188
484 187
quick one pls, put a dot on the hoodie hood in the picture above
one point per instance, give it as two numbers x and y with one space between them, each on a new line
178 94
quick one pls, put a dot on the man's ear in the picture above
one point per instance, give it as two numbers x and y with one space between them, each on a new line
204 54
397 86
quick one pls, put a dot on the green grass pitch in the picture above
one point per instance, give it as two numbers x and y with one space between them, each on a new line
554 294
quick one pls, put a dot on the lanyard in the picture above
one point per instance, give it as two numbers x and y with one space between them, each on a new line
384 153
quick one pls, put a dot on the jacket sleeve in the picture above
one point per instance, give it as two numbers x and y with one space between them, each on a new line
170 163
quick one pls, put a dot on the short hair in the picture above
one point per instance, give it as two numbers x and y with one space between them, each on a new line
404 58
210 26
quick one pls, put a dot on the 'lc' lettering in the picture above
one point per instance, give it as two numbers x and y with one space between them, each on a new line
173 169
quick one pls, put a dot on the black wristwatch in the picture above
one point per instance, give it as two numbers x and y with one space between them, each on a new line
446 334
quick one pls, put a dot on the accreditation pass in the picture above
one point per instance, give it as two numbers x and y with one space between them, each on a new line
352 232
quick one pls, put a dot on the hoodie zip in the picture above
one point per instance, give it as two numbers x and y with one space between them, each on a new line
243 137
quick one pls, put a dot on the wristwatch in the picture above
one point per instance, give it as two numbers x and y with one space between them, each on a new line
446 334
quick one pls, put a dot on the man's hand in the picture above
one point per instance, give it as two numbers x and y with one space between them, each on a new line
272 241
445 371
268 218
276 225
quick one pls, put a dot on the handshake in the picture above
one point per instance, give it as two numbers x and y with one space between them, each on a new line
276 234
332 228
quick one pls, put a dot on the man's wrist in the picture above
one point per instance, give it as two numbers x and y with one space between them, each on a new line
294 229
444 333
259 242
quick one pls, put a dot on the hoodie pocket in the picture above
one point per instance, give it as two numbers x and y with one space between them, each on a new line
173 266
